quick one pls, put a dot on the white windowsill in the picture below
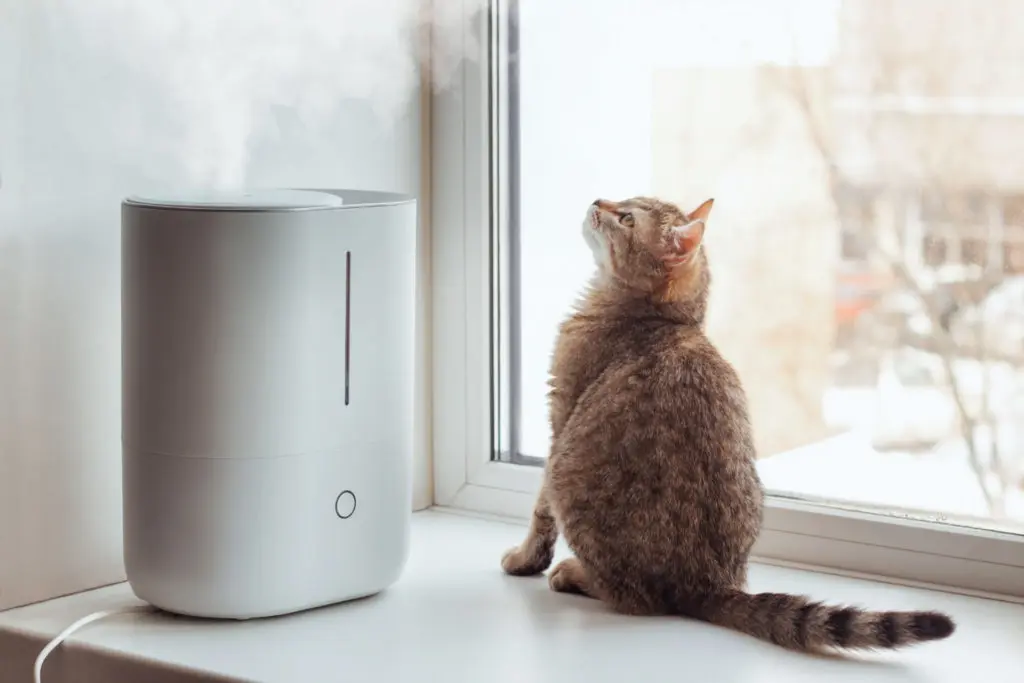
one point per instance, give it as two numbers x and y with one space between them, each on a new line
455 617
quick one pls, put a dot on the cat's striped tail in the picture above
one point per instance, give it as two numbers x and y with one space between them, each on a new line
797 623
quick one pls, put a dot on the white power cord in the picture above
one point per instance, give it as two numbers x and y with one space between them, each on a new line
63 635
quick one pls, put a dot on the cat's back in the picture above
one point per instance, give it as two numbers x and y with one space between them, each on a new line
685 358
588 346
651 370
676 374
664 416
664 369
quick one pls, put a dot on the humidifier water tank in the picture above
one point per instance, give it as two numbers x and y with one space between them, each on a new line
267 398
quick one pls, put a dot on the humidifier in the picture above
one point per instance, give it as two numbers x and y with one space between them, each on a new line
267 398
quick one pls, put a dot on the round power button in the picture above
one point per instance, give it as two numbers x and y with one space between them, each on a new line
345 504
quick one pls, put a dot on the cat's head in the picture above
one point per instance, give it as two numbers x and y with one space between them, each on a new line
649 245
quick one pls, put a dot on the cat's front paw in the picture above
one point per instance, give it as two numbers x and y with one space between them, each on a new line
519 561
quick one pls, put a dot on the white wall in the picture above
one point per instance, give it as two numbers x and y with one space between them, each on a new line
102 98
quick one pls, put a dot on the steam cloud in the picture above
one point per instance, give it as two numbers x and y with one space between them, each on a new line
222 66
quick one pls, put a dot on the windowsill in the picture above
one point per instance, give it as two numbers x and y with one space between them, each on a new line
455 617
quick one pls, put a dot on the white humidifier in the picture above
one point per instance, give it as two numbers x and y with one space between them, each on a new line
267 398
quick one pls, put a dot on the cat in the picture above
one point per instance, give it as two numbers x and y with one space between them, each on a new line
651 476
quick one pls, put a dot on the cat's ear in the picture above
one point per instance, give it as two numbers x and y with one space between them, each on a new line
683 242
685 239
702 212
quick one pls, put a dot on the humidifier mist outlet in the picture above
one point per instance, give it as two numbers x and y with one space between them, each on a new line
267 398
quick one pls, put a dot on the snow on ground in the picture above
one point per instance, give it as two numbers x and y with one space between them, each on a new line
847 468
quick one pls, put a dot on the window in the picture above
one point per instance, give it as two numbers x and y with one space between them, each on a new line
887 419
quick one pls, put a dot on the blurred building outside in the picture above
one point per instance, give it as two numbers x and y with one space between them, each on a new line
870 287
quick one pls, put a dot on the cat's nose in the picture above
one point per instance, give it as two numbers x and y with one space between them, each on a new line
602 204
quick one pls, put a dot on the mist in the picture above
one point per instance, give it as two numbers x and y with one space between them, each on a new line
214 72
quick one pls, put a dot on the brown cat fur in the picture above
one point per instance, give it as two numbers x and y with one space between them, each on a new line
651 476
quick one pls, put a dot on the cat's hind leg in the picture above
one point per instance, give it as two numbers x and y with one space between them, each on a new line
569 576
534 554
572 576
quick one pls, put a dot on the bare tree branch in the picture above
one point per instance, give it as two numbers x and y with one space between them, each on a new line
940 342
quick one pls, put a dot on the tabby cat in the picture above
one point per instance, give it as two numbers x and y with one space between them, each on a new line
651 476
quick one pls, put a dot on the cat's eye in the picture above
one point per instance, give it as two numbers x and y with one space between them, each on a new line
627 220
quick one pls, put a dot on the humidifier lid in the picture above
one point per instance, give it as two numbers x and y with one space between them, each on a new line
241 200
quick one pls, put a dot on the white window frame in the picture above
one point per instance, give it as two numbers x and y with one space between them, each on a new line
966 560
